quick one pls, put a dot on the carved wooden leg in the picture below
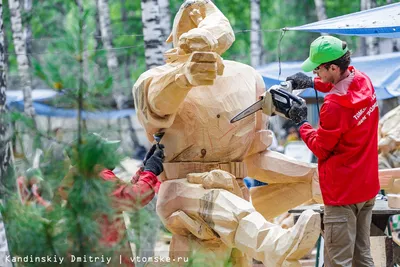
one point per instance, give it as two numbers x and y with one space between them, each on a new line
237 223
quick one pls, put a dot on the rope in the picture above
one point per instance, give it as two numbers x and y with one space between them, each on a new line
84 51
141 35
279 51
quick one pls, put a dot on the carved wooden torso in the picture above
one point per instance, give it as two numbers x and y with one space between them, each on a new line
202 128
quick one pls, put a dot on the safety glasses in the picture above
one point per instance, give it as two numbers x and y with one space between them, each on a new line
317 68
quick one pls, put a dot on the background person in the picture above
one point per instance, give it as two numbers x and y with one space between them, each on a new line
124 197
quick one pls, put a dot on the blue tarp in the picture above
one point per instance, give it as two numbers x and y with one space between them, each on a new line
37 95
15 100
49 111
383 70
378 22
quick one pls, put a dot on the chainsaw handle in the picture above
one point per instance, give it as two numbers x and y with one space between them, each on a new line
295 98
287 94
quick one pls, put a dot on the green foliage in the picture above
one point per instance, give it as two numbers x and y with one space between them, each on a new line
55 31
87 200
199 259
60 67
63 39
67 228
33 231
294 45
94 150
127 30
238 13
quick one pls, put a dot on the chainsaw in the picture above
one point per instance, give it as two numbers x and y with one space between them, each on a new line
277 100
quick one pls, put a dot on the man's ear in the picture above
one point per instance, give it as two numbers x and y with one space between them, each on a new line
334 67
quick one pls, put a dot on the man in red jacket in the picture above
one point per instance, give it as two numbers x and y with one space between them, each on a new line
346 145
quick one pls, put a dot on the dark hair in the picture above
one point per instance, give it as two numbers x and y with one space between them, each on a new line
343 62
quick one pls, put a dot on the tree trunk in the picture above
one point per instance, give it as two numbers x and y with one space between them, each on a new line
22 58
105 29
371 43
112 61
255 36
152 32
28 27
127 70
126 57
5 135
320 9
81 82
97 33
3 245
124 15
5 129
165 23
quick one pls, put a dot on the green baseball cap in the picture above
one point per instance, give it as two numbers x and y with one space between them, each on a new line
324 49
33 172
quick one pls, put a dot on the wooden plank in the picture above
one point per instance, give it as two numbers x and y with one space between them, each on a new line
389 251
380 207
280 197
378 250
315 207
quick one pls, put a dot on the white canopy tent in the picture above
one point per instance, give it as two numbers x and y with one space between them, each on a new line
377 22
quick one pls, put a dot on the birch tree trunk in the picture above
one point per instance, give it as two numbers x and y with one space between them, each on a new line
28 27
5 126
127 57
165 23
22 58
5 147
4 252
151 33
371 43
320 9
112 61
97 33
255 36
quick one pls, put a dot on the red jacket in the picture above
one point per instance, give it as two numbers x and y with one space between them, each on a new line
31 195
346 142
126 197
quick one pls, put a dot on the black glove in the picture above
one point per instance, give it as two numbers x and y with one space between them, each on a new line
154 163
300 81
298 113
150 153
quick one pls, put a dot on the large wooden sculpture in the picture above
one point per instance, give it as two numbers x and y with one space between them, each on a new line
202 200
389 139
389 156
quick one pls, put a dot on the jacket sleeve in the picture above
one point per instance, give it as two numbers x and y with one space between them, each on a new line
323 140
139 194
321 86
39 198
